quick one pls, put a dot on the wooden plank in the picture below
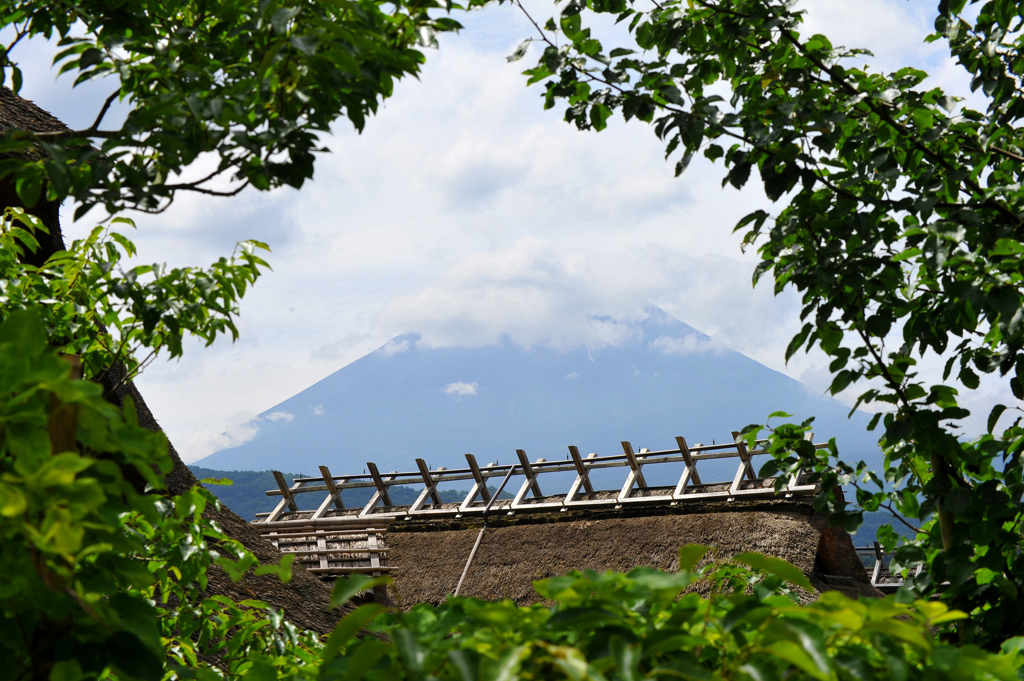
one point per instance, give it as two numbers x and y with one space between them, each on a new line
570 497
333 491
330 534
346 522
531 477
688 459
635 475
321 545
382 489
373 545
481 483
634 464
581 470
278 510
381 493
744 469
324 552
878 564
497 492
428 481
361 569
285 492
469 561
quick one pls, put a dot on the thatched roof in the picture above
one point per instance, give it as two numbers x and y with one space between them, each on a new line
512 556
305 599
18 113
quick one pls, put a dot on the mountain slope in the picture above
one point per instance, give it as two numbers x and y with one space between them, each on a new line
404 401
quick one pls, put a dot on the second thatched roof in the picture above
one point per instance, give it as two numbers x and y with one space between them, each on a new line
429 561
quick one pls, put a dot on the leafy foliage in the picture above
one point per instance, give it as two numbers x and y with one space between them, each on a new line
899 224
899 217
250 84
98 576
652 624
102 577
108 315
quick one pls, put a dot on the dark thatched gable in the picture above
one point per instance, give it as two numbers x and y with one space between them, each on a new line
18 113
306 599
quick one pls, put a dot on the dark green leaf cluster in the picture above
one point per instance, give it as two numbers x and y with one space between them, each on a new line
900 224
100 577
250 85
116 319
650 624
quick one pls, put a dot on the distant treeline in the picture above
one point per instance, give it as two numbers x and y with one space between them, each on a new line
247 496
866 533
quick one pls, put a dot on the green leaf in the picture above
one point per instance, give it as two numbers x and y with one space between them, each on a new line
364 656
132 658
29 186
506 667
262 669
281 17
993 416
283 571
690 555
347 587
775 566
236 569
350 625
795 655
306 44
520 51
131 415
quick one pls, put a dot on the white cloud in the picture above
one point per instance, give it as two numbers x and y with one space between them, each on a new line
240 428
574 374
671 345
332 351
461 388
533 292
318 410
509 224
280 416
393 347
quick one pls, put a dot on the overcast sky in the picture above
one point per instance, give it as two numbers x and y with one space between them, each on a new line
467 213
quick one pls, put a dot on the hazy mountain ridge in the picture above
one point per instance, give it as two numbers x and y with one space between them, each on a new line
405 401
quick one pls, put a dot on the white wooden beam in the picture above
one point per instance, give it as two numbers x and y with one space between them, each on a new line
684 451
479 487
581 471
635 475
333 494
531 477
382 489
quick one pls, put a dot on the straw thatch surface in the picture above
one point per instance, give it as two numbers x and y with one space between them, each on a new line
18 113
511 557
304 600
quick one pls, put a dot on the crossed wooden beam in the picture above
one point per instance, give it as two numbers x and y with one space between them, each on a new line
581 493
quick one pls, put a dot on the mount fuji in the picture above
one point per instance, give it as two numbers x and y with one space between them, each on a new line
406 401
